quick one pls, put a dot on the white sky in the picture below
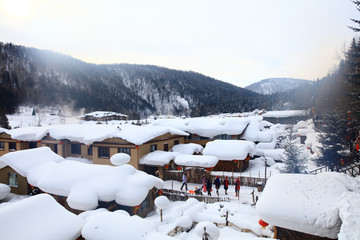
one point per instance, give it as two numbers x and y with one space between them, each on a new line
237 41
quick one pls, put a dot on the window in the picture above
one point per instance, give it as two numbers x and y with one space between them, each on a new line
124 150
176 142
153 148
33 145
223 136
2 145
103 152
166 147
13 179
76 149
89 150
12 146
145 205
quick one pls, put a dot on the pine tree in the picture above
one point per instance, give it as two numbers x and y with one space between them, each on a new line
292 159
334 140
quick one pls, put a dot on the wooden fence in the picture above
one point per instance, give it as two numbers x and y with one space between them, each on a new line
175 195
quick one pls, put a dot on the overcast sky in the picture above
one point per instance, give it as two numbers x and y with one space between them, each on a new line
237 41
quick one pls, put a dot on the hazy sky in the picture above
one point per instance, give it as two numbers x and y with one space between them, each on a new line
237 41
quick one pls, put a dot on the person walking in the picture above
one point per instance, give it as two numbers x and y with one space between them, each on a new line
184 182
209 186
203 183
217 184
237 187
226 185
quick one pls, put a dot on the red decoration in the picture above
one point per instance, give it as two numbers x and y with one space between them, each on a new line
137 147
263 224
61 142
166 166
39 141
179 168
208 169
357 147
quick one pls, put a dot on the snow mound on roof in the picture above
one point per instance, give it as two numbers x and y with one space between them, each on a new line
349 213
253 131
25 161
120 159
196 160
158 158
38 217
207 126
230 149
4 191
284 114
306 203
86 184
88 134
112 225
189 148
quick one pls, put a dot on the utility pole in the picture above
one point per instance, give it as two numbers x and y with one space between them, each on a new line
265 170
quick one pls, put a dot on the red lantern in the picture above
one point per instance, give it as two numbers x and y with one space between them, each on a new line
179 168
137 147
62 143
263 224
357 147
208 169
166 166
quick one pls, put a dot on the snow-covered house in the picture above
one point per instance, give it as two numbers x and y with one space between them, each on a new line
80 186
311 206
286 117
95 142
233 155
104 116
204 129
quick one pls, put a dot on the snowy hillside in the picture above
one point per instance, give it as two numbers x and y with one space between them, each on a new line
274 85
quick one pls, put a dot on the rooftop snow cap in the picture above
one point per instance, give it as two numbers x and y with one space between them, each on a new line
230 149
307 203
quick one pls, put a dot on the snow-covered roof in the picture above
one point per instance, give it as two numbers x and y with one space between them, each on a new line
206 126
196 161
158 158
254 132
84 184
276 154
188 148
308 203
25 161
100 114
88 134
230 149
284 114
38 217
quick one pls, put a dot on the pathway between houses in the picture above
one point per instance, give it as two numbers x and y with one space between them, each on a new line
245 192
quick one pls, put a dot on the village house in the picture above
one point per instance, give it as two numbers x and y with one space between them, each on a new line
104 116
79 186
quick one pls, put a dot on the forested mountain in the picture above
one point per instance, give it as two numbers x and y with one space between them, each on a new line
41 77
275 85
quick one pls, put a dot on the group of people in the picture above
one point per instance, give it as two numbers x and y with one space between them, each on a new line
207 185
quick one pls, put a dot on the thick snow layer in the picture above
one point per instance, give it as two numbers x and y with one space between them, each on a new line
208 229
158 158
207 126
253 131
39 218
162 202
112 225
196 160
230 149
306 203
189 148
26 160
349 213
284 114
4 191
88 133
120 159
86 184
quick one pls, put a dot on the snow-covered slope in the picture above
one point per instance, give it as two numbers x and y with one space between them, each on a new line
274 85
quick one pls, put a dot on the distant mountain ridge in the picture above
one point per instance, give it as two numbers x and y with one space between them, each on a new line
41 77
276 85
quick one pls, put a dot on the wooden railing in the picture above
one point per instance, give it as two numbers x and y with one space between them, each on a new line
353 169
